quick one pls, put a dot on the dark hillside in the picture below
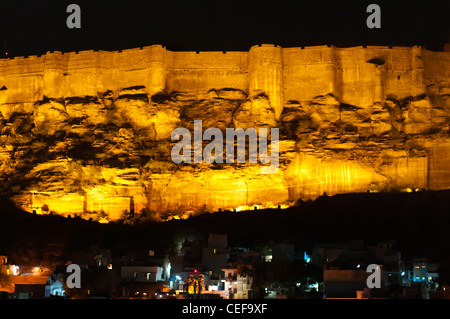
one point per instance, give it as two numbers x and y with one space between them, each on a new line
418 222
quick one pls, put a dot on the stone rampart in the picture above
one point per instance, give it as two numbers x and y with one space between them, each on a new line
356 76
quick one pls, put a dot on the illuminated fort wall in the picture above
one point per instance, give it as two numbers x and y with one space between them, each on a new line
282 73
359 76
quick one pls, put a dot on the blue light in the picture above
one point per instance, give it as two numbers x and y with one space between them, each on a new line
306 257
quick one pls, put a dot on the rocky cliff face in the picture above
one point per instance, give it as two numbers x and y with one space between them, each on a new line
99 156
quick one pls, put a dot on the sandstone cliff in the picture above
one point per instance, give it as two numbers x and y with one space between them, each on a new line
101 154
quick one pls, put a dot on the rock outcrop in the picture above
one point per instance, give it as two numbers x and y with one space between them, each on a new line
101 156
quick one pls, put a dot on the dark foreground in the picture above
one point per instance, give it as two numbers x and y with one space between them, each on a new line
418 222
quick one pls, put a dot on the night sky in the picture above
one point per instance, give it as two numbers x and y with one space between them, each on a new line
35 27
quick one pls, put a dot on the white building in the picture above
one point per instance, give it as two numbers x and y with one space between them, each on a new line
54 287
237 284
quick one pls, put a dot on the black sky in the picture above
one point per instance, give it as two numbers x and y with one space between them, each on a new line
35 27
